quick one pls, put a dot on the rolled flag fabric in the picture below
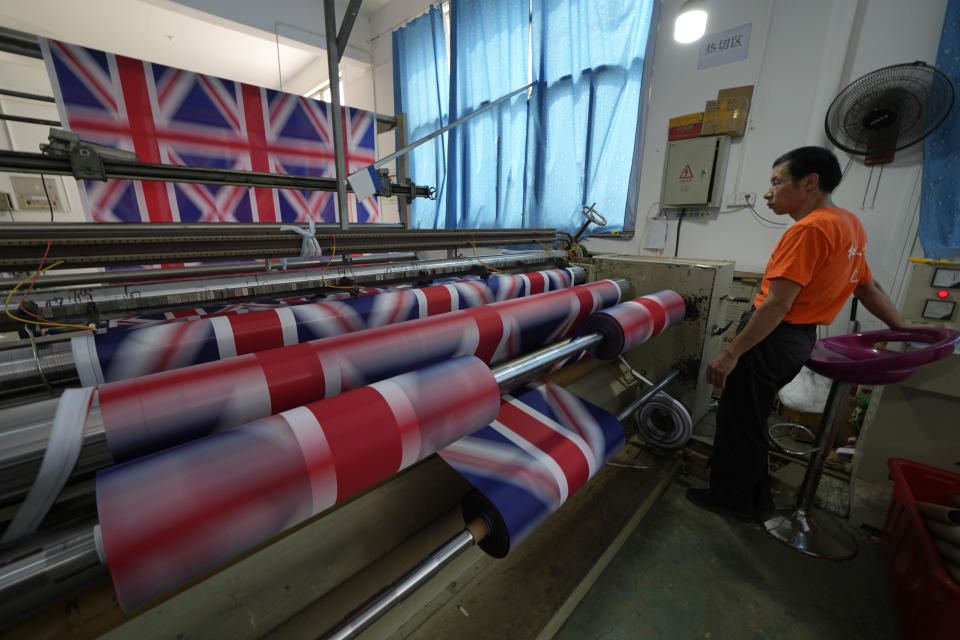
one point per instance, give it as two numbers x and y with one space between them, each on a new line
168 517
122 355
163 409
543 446
626 325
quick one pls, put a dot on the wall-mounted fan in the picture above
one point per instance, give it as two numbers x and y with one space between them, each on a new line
889 109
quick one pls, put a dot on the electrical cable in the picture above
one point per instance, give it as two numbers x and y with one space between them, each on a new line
676 248
757 213
323 274
656 431
43 181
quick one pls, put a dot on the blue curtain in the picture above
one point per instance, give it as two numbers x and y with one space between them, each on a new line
490 50
574 139
940 200
588 57
421 85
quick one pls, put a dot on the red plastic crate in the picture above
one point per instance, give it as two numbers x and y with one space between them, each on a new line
926 598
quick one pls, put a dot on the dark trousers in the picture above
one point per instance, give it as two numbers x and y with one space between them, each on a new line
739 475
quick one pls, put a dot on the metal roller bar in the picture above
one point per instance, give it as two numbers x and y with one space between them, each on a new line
25 162
51 279
375 608
100 304
82 245
27 96
649 393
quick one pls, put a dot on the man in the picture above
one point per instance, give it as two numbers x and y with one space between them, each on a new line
818 262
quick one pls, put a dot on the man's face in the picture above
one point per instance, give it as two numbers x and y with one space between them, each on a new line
784 195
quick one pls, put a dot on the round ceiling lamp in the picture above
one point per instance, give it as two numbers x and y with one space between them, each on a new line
691 21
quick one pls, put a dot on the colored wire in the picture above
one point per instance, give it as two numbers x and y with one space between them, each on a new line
6 305
473 243
561 257
323 274
43 259
43 181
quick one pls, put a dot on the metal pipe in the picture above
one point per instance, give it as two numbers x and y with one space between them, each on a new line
346 27
516 372
50 279
48 123
649 393
456 123
333 70
104 303
829 428
24 162
24 435
27 96
52 566
372 610
36 365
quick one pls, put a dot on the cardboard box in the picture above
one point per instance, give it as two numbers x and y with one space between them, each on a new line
725 116
688 126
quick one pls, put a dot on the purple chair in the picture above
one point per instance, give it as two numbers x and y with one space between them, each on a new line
850 359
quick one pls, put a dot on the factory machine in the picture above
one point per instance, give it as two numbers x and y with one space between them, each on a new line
144 490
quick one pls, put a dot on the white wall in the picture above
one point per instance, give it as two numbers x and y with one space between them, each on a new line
787 64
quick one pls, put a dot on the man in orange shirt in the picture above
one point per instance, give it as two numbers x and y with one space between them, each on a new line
818 262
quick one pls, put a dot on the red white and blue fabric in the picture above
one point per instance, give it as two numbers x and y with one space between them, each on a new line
507 286
633 322
168 517
543 446
163 409
176 117
121 355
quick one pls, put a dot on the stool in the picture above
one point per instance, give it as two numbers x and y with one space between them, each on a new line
850 359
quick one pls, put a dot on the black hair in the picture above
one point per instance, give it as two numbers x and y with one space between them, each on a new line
806 160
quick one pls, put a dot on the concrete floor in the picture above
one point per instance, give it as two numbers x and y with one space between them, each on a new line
689 573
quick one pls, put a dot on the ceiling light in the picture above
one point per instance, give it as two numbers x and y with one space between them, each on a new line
691 21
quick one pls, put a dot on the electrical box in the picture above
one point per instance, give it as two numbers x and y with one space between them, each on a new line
30 193
693 172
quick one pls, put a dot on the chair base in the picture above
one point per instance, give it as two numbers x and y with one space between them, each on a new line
821 537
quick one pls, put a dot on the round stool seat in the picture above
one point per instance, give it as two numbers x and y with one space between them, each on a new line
857 359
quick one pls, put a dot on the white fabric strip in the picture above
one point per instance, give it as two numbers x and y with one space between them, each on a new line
288 322
59 460
454 297
86 361
316 452
421 302
550 423
223 332
406 418
542 457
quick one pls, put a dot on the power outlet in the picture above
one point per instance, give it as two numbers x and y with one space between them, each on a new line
742 199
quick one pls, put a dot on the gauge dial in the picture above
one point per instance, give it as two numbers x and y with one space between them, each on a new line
946 278
938 309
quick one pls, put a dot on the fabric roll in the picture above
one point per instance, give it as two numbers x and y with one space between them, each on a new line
153 412
168 517
122 355
627 325
543 446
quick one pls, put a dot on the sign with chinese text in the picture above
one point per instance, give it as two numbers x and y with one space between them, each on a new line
726 46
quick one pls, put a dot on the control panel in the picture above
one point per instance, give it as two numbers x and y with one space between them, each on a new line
933 294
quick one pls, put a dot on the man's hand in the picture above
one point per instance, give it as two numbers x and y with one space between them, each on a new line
720 367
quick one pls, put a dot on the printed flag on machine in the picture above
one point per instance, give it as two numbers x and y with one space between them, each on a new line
171 116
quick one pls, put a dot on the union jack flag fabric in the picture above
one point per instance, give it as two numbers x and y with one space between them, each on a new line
121 355
171 116
544 445
163 409
163 517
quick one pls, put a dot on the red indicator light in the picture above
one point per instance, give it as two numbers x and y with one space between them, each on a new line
943 293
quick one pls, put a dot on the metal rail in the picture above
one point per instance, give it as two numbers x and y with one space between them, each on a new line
24 162
104 303
111 244
50 279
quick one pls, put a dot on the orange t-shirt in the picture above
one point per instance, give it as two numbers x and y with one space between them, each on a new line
824 253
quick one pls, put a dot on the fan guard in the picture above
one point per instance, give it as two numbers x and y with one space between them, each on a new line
889 109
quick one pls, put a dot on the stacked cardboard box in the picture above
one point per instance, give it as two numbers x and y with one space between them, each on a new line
728 113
